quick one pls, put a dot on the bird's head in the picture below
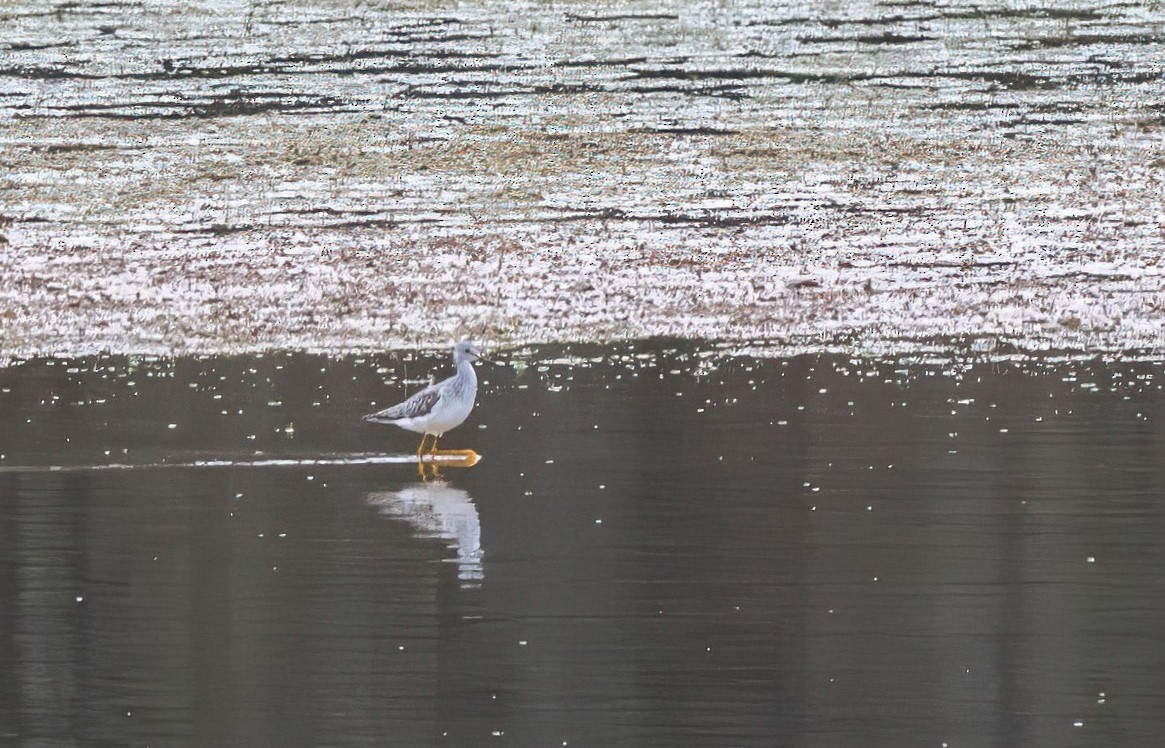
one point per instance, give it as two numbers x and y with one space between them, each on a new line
467 351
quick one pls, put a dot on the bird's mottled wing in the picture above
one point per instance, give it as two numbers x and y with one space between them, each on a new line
420 404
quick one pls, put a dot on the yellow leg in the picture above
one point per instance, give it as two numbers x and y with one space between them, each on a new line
421 459
433 449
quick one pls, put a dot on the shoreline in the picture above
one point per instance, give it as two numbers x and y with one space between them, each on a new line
368 291
411 174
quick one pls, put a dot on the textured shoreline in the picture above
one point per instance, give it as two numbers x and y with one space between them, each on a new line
222 177
242 295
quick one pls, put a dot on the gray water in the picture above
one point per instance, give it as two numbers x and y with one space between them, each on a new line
661 546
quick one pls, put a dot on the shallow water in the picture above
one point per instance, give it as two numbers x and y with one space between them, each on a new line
661 546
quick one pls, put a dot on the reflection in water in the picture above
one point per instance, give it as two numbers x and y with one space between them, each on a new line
688 547
436 509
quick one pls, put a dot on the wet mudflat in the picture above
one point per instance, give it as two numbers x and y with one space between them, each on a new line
232 176
663 545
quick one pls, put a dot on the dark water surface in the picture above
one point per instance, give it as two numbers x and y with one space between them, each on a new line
661 547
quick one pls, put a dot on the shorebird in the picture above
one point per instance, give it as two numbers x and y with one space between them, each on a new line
439 407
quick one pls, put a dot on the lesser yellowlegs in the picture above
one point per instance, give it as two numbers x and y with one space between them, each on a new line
439 407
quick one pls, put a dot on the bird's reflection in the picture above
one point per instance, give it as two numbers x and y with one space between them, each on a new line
436 509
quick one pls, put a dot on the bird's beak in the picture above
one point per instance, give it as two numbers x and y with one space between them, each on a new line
481 357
